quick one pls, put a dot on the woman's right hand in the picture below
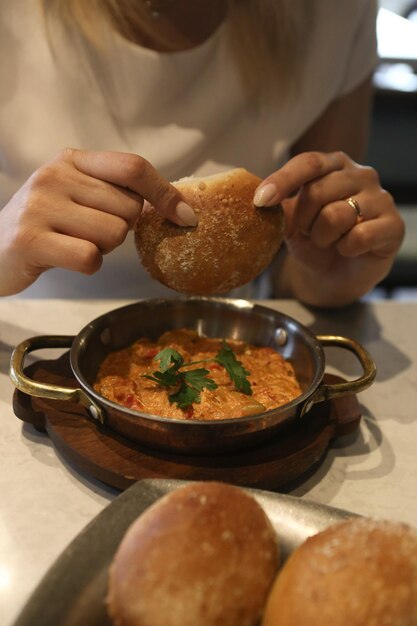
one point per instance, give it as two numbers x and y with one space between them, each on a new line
76 208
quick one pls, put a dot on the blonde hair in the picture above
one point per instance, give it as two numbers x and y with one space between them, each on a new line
268 37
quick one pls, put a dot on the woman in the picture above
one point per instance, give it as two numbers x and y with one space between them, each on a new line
153 90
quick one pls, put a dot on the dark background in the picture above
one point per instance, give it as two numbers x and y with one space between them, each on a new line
393 147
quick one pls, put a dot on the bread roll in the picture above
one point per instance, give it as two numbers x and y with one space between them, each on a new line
360 572
204 555
233 242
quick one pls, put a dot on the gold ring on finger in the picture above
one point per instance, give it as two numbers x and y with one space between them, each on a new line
358 211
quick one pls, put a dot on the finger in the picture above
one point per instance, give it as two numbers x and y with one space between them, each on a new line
337 218
108 198
57 250
314 197
382 236
298 171
106 231
333 221
137 174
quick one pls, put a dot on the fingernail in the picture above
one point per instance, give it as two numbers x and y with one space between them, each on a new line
264 195
185 214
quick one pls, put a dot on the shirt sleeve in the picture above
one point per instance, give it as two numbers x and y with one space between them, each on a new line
364 49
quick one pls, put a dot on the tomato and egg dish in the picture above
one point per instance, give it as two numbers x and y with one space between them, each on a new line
199 378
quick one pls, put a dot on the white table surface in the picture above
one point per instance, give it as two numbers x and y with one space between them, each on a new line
45 502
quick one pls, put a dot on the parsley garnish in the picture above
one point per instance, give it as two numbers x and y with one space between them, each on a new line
234 368
190 383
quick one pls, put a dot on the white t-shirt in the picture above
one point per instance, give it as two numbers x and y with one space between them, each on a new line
185 112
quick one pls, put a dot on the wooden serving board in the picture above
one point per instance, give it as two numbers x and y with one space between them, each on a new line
105 455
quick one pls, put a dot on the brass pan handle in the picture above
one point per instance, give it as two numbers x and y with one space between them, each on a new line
46 390
326 391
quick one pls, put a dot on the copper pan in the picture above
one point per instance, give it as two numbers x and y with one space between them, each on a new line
213 317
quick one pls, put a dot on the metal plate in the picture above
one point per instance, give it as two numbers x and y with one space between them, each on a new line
73 591
211 317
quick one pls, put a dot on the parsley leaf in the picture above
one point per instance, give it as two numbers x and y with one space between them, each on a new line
169 378
167 356
185 396
190 383
238 374
198 379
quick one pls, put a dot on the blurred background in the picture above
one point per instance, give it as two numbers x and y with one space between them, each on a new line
393 142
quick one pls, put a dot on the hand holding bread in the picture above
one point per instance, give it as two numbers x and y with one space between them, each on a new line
75 209
233 242
342 232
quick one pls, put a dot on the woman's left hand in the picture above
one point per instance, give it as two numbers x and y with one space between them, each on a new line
342 228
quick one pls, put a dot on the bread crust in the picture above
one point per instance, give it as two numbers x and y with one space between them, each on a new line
361 572
205 554
233 242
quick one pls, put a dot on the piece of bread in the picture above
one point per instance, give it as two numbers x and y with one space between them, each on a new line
233 242
203 555
360 572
